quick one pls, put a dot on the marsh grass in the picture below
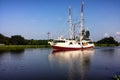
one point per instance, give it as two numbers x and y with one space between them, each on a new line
105 45
116 77
20 47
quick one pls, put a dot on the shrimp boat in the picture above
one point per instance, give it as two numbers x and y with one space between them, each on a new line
81 41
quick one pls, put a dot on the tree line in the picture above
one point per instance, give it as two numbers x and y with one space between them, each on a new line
19 40
109 41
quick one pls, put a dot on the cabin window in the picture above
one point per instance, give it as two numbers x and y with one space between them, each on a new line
70 43
59 41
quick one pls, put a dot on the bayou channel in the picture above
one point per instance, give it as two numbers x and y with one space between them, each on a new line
100 63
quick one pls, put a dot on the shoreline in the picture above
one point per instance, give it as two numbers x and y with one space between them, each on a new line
20 47
107 45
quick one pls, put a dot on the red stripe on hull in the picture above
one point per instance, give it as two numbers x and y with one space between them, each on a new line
66 48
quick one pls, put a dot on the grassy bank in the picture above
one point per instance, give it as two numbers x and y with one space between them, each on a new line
105 45
19 47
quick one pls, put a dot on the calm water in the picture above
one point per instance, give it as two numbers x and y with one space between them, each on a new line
45 64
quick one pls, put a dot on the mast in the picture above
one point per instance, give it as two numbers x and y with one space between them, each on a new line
82 20
71 29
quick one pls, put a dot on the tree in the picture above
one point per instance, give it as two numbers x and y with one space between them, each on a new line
17 40
1 39
4 39
107 40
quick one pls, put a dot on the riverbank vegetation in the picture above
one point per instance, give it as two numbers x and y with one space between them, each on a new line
107 41
18 42
116 77
20 47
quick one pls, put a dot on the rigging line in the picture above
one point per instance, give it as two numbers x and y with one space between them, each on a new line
63 34
76 25
65 29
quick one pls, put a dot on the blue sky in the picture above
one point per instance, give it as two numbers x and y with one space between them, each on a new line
34 18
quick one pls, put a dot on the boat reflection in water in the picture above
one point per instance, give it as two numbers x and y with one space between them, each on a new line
73 65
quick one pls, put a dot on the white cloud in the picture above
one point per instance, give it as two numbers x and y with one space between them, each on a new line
106 35
117 36
118 33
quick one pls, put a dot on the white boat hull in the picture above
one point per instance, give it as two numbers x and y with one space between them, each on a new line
67 46
70 48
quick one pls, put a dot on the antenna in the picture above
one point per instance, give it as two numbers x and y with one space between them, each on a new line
48 35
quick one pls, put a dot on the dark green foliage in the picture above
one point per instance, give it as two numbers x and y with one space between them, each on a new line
19 40
37 42
116 77
107 40
20 47
3 39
